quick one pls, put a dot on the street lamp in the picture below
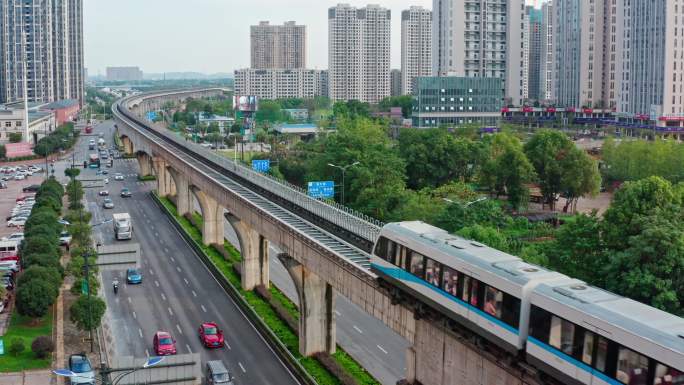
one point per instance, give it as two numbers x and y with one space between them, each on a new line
344 169
106 371
465 204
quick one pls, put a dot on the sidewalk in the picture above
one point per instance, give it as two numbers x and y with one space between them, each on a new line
34 377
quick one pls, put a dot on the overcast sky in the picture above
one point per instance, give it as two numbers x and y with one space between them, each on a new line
205 35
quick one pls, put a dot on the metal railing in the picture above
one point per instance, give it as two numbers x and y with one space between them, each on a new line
353 221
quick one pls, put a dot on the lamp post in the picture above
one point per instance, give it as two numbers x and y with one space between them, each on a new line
344 170
465 204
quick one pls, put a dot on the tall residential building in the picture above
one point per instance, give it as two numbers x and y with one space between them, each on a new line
124 74
650 60
395 82
278 46
480 38
416 46
50 48
579 47
281 83
359 53
546 53
532 53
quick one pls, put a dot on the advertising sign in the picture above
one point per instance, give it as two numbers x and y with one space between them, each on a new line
324 189
261 165
245 103
151 116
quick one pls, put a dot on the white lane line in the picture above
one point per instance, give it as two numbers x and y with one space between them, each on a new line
194 294
148 221
156 234
203 308
242 367
129 299
170 311
173 259
166 250
140 332
179 329
152 227
163 296
227 345
156 283
147 353
189 350
179 269
116 300
337 313
381 349
151 272
134 316
186 281
357 329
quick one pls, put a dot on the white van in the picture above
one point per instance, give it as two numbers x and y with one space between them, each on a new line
9 248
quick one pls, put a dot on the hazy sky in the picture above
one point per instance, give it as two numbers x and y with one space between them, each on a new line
205 35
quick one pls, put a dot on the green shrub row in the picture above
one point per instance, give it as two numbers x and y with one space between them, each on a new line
63 137
147 178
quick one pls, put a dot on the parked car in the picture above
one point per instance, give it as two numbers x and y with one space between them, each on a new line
164 344
108 203
16 222
133 276
3 185
31 188
80 364
126 193
210 335
19 176
14 237
7 282
64 238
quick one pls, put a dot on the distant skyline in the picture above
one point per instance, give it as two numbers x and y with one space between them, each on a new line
206 36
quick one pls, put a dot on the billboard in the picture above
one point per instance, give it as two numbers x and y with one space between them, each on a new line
245 103
259 165
322 189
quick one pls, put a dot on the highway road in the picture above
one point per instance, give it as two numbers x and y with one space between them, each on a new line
178 292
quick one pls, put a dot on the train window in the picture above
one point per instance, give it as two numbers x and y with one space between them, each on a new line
381 248
511 310
417 265
493 302
466 288
475 292
632 367
562 335
601 353
392 249
588 347
432 271
540 322
450 281
664 375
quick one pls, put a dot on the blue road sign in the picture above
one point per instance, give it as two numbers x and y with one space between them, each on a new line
324 189
261 165
151 116
2 347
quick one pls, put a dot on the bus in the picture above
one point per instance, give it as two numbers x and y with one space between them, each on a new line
94 161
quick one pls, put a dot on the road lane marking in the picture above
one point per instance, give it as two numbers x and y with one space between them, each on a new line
129 299
170 311
140 332
179 329
194 294
242 367
189 350
163 296
166 250
134 316
173 259
156 234
337 313
179 269
186 281
381 349
227 345
148 221
203 308
152 227
147 353
151 272
156 283
357 329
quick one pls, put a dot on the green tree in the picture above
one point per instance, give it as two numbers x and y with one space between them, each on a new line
40 245
49 275
547 151
487 235
462 214
15 137
42 259
72 172
269 111
34 299
580 177
403 101
3 151
16 346
351 109
578 249
87 312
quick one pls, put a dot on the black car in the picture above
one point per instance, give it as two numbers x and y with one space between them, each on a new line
125 193
31 188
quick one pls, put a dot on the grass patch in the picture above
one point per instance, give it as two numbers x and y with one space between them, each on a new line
147 178
279 327
21 327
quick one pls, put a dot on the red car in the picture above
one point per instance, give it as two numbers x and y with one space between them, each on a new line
210 335
164 344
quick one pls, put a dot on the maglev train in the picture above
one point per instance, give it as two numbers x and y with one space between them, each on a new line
570 331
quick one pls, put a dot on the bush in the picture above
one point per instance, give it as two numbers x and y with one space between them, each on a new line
49 275
15 137
16 346
42 346
87 312
3 151
61 138
34 298
43 230
39 245
42 259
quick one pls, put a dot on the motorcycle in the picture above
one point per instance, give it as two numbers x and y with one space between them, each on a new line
115 284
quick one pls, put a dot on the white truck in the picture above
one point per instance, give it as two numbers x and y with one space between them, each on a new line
123 228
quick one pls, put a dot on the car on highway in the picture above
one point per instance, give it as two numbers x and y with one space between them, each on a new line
216 373
80 365
210 335
126 193
31 188
163 344
105 172
134 276
16 222
118 176
64 238
108 203
103 193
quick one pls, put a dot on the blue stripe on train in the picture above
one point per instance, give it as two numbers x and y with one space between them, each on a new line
405 276
574 361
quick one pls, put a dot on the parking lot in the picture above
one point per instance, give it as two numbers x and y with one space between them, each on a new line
9 195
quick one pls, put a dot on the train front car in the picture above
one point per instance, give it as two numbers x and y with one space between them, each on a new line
480 288
584 335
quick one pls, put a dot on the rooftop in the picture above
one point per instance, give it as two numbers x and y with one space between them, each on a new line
66 103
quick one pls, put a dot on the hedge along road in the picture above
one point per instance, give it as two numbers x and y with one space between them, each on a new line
177 293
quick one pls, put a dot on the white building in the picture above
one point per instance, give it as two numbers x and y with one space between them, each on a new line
12 122
479 38
416 46
546 53
281 83
278 46
359 53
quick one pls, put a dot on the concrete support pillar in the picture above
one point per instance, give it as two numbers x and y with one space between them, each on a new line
162 175
410 365
145 163
212 218
183 193
254 250
316 309
128 145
